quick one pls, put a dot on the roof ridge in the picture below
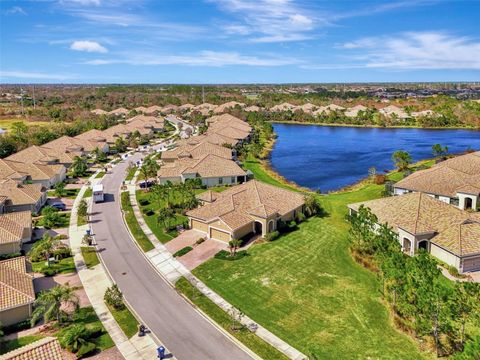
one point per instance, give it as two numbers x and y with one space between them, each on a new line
418 212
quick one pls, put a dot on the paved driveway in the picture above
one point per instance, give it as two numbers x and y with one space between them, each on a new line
186 238
202 253
183 330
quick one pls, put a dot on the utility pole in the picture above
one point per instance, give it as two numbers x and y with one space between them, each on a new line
21 99
34 97
203 94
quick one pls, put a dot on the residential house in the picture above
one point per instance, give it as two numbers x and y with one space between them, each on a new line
355 110
186 107
252 108
153 122
227 106
44 155
78 146
211 169
15 229
47 348
251 208
36 173
393 111
154 109
423 222
168 109
307 108
424 113
121 111
16 289
99 112
194 150
118 131
97 138
454 181
22 197
283 107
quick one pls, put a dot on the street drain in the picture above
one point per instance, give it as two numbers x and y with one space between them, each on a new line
124 273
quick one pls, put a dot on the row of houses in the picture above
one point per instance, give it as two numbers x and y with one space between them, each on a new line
210 157
437 210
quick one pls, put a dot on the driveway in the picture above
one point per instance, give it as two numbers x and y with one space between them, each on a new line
183 330
186 238
201 253
41 282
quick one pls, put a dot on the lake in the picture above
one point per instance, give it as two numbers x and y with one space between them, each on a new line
331 157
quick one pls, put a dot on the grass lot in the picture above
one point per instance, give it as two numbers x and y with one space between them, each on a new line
125 319
90 256
63 266
133 225
81 220
101 174
151 220
252 341
306 288
7 346
6 124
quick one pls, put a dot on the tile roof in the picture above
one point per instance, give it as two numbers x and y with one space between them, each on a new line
16 286
44 349
354 110
207 196
92 135
197 151
228 105
20 194
393 110
227 120
71 144
283 107
12 226
99 112
252 108
236 205
456 230
459 174
152 109
119 111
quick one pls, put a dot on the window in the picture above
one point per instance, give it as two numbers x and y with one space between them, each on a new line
220 181
232 180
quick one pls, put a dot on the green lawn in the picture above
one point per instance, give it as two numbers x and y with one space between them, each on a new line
101 174
87 193
69 193
131 173
125 319
7 346
6 124
81 220
63 266
90 256
252 341
306 288
133 225
151 219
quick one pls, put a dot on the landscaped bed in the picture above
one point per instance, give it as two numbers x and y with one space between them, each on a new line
125 319
62 266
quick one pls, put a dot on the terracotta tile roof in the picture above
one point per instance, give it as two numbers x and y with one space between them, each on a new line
423 113
99 112
152 109
227 120
228 105
12 226
219 139
114 132
236 205
140 109
92 135
459 174
307 108
169 108
393 110
207 106
16 286
253 108
70 144
456 230
44 349
186 107
207 196
230 132
20 194
353 111
119 111
208 166
197 151
283 107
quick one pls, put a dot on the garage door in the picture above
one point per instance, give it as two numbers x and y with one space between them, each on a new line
471 264
199 226
219 235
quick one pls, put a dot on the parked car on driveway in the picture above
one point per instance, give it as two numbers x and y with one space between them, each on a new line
146 184
59 205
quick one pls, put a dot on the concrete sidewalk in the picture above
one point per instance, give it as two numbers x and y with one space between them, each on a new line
95 281
171 269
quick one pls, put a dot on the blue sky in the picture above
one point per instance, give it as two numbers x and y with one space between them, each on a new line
238 41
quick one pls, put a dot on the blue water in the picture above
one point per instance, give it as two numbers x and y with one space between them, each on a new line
329 158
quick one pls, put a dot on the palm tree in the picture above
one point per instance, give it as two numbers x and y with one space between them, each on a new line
79 166
44 248
166 216
233 245
51 304
401 159
60 189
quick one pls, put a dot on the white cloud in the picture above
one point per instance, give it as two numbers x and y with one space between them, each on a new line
34 75
269 20
16 10
82 2
88 46
203 58
417 50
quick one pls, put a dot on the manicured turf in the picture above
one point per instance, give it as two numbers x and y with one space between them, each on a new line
101 174
90 256
63 266
87 193
81 220
256 167
64 220
125 319
69 193
10 345
305 288
133 225
151 220
253 342
131 173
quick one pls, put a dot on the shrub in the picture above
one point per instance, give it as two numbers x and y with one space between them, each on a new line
82 208
61 237
183 251
300 217
144 202
75 339
9 256
225 255
22 325
148 212
61 253
272 236
114 297
200 240
48 271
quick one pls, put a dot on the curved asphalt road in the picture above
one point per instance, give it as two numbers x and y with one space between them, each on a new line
186 333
